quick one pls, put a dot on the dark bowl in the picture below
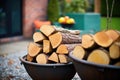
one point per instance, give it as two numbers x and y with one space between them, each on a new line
49 71
91 71
67 25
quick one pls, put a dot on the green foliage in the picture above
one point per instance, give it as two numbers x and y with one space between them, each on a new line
114 25
76 6
116 10
53 10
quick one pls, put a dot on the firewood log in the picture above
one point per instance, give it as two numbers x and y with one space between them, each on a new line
88 42
38 37
113 34
53 57
65 48
41 58
102 39
66 38
63 30
47 48
79 52
34 49
29 58
47 29
62 58
114 51
99 56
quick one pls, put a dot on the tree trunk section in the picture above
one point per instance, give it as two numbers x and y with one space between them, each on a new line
29 58
113 34
99 56
65 48
88 42
66 38
79 52
62 58
38 37
47 48
114 51
47 29
53 57
63 30
42 58
102 39
34 49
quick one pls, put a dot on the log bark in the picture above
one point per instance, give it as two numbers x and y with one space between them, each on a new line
65 48
79 52
66 38
47 48
34 49
99 56
88 42
47 29
41 58
62 58
114 51
53 57
38 37
102 39
63 30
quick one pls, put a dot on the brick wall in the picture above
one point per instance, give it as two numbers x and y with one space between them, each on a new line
33 9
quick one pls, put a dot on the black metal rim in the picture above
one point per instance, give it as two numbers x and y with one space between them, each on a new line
22 59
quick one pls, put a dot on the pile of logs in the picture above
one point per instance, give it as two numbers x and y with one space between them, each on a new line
52 45
102 48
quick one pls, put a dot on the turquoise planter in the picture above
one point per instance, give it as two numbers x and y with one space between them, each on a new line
86 21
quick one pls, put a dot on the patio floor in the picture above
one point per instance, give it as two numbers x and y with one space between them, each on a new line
10 65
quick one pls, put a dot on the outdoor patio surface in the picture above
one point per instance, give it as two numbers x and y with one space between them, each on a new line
10 65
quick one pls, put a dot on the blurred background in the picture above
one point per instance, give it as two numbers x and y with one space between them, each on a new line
17 17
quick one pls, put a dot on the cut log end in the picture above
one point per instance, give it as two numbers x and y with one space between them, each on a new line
62 58
38 37
102 39
114 51
53 57
55 39
62 49
34 49
79 52
41 58
99 57
88 41
29 58
112 34
47 29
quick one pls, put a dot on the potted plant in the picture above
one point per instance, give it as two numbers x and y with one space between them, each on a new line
77 9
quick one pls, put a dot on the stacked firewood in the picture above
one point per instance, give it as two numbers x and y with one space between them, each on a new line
52 45
102 48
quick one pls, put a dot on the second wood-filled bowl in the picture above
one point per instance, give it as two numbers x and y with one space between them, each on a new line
91 71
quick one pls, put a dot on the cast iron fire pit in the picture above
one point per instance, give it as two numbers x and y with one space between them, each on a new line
49 71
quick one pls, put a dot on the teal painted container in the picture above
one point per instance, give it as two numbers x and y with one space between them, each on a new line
79 20
92 22
86 21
